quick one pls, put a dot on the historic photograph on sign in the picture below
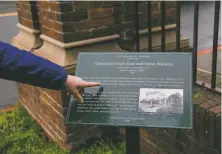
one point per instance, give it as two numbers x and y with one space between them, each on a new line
161 100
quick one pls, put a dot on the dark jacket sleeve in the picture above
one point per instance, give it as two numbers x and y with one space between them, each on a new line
25 67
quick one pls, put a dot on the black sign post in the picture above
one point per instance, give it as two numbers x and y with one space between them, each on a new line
138 90
132 140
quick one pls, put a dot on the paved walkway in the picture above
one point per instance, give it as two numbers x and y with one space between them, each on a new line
204 60
204 64
205 23
6 6
205 77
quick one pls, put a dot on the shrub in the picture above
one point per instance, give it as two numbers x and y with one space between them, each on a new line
20 134
105 147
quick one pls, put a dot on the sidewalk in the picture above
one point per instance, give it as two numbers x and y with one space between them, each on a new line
204 60
204 64
205 78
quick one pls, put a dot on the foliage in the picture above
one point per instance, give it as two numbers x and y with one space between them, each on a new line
20 134
104 147
196 95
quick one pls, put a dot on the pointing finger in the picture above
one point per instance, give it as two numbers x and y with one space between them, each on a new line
77 96
84 84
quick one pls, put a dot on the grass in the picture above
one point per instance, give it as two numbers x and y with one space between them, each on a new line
104 147
20 134
196 95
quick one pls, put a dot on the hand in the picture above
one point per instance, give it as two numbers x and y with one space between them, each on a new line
75 85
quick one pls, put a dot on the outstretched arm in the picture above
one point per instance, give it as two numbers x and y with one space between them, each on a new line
25 67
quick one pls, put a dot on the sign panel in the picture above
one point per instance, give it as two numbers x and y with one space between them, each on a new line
138 89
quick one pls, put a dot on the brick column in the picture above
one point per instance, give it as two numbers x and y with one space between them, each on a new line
28 37
66 29
71 27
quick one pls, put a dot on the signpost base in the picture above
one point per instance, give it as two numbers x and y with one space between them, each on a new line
132 140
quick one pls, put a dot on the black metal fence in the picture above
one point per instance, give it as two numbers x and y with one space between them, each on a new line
211 86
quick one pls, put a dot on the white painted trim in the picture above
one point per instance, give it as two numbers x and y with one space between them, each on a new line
205 71
79 43
32 31
157 29
9 14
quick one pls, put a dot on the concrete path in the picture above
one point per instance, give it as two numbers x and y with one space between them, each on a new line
204 60
8 30
206 23
7 6
205 32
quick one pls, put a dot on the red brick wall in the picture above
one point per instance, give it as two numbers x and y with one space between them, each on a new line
74 21
204 138
170 13
49 108
27 14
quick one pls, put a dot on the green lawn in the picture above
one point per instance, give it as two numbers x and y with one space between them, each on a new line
20 134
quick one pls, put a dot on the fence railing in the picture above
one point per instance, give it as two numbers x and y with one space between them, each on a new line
212 85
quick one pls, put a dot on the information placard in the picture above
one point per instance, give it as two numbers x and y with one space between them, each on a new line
138 89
